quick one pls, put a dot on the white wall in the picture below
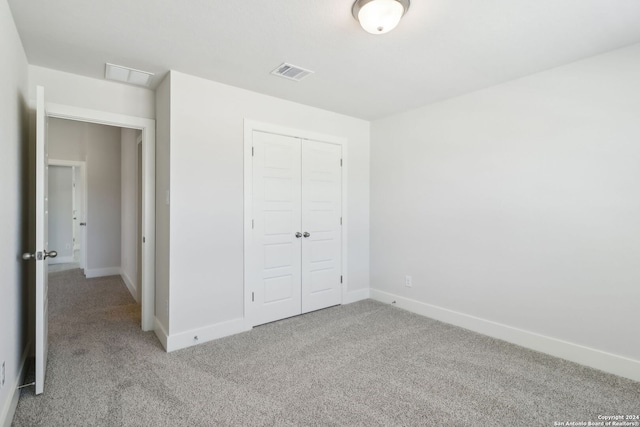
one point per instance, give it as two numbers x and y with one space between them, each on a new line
206 165
95 94
99 145
13 210
163 247
61 213
519 204
129 209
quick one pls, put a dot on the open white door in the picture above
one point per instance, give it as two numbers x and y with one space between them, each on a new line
42 241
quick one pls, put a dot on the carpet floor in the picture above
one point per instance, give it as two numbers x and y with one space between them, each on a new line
363 364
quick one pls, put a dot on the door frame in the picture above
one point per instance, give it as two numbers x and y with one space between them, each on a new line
249 127
83 178
148 128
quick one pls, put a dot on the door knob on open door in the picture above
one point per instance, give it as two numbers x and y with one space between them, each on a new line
27 256
306 234
50 254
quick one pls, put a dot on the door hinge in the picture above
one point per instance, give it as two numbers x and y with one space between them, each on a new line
340 220
144 240
340 279
340 162
253 224
252 297
252 151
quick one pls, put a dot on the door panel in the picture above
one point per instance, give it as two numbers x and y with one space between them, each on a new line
42 220
275 272
321 213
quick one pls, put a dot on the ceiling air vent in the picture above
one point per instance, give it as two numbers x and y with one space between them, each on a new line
291 72
123 74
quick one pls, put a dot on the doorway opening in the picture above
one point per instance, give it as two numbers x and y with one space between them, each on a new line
139 272
42 251
67 214
94 224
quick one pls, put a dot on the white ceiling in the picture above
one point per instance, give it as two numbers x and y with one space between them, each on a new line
442 48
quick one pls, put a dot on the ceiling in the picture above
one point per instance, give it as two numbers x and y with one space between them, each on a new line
441 49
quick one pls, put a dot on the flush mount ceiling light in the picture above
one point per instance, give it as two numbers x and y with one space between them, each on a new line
379 16
127 75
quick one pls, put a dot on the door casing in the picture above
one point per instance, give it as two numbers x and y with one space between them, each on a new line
148 128
249 127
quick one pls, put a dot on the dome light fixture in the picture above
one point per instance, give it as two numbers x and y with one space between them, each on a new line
379 16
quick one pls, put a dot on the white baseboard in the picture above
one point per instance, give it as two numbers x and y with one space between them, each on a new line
9 409
220 330
101 272
161 332
132 288
355 296
61 260
208 333
614 364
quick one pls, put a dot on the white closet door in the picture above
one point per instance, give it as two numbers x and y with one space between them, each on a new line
321 212
276 213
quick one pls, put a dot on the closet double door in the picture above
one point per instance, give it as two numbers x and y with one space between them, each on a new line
296 245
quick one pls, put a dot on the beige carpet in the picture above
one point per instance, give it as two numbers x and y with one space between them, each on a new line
364 364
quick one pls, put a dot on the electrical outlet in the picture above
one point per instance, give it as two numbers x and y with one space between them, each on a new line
408 281
3 375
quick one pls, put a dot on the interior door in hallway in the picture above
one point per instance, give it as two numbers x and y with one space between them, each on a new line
275 256
321 224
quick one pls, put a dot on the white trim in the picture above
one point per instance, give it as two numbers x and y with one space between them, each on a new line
127 281
614 364
148 128
357 295
160 332
208 333
249 127
102 272
9 410
61 260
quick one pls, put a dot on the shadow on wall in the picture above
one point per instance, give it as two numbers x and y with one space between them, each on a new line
27 221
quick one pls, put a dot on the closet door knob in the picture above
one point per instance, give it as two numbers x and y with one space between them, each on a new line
306 234
298 235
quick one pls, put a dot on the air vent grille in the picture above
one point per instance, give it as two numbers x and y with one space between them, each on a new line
128 75
291 72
